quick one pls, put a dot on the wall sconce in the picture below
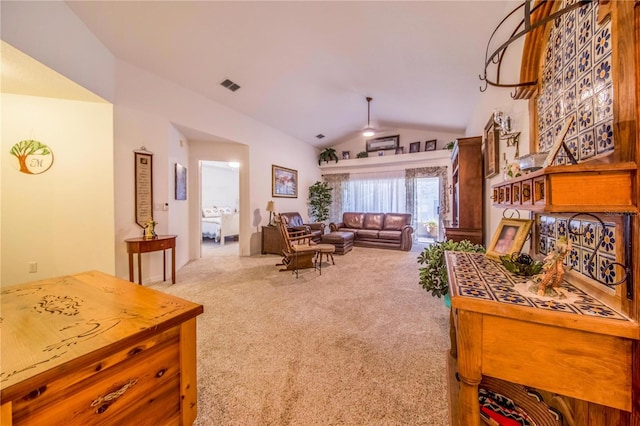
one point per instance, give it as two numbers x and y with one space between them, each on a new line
503 122
271 208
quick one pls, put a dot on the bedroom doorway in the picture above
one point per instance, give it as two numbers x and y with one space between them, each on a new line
219 204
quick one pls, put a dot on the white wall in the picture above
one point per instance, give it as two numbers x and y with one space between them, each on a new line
62 218
495 98
220 185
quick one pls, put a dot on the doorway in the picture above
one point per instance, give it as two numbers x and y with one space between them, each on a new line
219 204
428 209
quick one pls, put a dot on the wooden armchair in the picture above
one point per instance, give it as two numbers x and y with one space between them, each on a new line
299 249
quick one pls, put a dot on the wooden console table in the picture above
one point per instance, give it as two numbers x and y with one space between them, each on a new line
577 347
141 245
94 349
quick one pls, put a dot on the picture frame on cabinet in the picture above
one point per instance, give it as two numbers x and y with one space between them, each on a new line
430 145
414 147
400 150
490 148
509 237
346 155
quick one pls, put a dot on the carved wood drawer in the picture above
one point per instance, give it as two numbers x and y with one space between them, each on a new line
138 383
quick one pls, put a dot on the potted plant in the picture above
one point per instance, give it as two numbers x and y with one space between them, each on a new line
433 276
319 200
432 229
362 154
327 155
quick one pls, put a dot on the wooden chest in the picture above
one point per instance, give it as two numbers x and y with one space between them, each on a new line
93 349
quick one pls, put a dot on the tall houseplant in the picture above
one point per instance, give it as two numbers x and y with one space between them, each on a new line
433 276
319 200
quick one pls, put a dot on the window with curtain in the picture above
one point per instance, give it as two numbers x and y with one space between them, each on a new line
383 192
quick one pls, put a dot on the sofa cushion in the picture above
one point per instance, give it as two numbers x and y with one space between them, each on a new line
390 235
353 220
396 221
367 233
373 220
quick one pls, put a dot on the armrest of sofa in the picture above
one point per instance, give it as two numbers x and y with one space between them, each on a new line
333 227
317 226
406 241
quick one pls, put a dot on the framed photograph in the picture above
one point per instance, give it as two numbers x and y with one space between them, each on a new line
509 237
181 182
414 147
383 143
490 148
400 150
346 155
430 145
284 182
143 187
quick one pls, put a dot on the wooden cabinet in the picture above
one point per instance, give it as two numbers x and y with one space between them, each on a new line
467 186
93 349
595 186
271 240
578 348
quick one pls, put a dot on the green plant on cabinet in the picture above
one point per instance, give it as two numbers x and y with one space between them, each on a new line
327 155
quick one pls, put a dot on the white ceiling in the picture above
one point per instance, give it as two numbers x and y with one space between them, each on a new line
305 67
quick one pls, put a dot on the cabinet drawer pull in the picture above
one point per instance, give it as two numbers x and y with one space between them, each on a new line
112 396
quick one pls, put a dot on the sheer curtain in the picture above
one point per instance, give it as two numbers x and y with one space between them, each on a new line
383 192
336 182
412 196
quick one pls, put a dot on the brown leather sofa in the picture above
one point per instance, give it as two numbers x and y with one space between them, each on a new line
383 230
296 222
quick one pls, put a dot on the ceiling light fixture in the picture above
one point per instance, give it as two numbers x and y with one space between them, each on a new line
368 131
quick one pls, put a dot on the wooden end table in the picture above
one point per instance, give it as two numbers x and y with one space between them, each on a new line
141 245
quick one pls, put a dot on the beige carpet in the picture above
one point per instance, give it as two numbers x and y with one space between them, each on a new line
363 344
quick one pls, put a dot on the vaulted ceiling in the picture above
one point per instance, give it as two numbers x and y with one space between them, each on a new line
305 67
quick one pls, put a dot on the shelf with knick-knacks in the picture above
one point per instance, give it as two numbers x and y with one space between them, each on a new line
595 186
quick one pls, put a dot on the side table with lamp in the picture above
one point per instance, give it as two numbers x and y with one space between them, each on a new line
271 238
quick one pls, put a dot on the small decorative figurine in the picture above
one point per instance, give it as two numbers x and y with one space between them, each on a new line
149 229
548 283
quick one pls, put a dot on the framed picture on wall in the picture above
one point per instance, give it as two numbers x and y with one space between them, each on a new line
430 145
181 182
386 142
414 147
143 186
490 148
284 182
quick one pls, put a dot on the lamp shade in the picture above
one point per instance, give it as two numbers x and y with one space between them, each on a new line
271 206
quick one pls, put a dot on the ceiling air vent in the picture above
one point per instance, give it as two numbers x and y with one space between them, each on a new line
320 136
230 85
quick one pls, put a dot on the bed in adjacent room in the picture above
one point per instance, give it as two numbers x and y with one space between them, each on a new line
219 222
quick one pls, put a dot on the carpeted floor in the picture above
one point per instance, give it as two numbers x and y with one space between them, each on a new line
362 344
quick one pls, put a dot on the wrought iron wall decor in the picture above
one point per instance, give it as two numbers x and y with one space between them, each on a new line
525 26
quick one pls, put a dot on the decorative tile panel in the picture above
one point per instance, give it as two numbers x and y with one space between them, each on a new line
584 235
478 277
576 80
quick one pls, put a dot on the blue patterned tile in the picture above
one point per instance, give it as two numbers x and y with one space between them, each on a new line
561 227
587 145
588 238
570 102
501 288
585 87
587 265
603 104
542 245
606 271
604 134
602 42
584 61
607 236
602 74
574 258
585 115
572 145
575 230
569 23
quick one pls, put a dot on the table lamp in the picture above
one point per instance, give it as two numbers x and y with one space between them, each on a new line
271 208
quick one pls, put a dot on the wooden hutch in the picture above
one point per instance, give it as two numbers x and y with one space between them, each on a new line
582 355
467 188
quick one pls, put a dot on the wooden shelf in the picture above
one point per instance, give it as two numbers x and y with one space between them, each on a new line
597 186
